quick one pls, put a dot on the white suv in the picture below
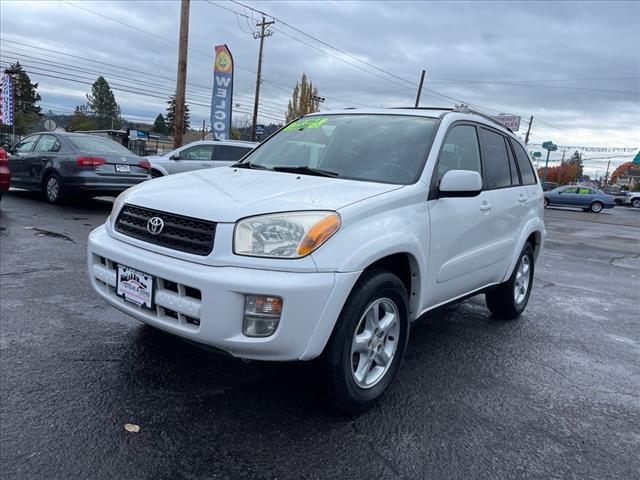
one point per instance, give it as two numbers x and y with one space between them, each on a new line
329 239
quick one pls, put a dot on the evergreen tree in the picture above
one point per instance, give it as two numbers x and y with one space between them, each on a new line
302 101
26 98
160 126
81 119
171 115
576 161
101 103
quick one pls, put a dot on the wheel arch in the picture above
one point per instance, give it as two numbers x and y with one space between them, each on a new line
534 233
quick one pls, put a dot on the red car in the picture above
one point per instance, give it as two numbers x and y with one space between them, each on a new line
5 175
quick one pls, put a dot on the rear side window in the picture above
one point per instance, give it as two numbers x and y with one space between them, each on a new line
47 143
586 191
459 151
526 170
496 172
229 152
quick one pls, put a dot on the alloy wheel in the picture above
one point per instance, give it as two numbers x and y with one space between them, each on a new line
375 342
521 284
53 189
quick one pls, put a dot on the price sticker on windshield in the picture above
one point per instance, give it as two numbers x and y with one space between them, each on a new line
306 123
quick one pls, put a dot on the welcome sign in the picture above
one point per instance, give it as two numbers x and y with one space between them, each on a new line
222 96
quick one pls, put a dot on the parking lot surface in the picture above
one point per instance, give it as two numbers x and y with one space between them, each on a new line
555 394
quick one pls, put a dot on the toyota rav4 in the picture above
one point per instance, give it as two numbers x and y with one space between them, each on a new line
329 239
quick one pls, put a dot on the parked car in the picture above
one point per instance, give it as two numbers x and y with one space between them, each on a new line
619 196
298 252
199 155
587 198
546 186
5 174
633 199
67 165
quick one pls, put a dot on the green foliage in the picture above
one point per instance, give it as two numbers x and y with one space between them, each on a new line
302 101
81 119
26 98
159 125
101 104
171 114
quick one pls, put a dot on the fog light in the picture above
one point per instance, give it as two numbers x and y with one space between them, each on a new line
261 315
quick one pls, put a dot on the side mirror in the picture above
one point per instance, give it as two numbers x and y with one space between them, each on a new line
175 156
460 183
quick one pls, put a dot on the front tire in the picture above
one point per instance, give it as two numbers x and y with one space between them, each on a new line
546 202
53 189
635 203
368 343
156 174
509 299
596 207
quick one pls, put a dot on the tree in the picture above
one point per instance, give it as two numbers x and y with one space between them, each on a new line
302 101
171 115
101 104
576 160
562 174
81 119
160 126
26 98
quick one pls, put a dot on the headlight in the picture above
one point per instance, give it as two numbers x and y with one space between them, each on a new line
117 205
284 235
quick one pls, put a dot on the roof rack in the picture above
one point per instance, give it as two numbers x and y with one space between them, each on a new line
422 108
465 109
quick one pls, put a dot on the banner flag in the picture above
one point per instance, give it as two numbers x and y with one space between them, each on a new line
6 100
222 96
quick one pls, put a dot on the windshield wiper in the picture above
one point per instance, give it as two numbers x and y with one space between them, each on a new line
250 165
305 170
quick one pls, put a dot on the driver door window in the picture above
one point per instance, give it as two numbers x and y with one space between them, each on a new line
460 151
26 145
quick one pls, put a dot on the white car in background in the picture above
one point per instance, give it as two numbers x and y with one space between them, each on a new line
199 155
329 239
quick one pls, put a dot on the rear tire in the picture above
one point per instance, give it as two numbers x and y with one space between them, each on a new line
509 299
596 207
546 202
367 345
635 203
53 189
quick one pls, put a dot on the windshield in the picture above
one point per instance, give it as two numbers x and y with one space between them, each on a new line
98 144
378 148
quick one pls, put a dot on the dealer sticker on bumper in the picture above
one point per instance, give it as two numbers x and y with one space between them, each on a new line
135 286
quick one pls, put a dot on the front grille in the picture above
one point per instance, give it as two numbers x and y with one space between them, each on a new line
186 234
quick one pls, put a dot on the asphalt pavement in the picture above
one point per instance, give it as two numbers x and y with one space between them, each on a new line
555 394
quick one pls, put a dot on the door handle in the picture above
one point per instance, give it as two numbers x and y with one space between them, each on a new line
484 206
522 198
206 164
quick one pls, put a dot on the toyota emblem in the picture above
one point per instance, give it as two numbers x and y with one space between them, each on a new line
155 225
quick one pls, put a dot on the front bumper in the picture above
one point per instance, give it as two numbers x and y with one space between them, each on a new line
206 304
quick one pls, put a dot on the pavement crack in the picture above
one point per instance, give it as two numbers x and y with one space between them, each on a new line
375 451
33 270
623 257
48 233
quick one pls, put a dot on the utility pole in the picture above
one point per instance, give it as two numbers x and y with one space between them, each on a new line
182 74
203 129
420 89
606 176
261 34
526 138
561 169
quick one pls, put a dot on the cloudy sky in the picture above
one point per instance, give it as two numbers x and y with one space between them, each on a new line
574 66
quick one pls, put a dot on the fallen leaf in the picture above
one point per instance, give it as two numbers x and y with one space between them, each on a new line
132 427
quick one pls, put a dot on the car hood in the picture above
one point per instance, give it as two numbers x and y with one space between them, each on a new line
228 194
